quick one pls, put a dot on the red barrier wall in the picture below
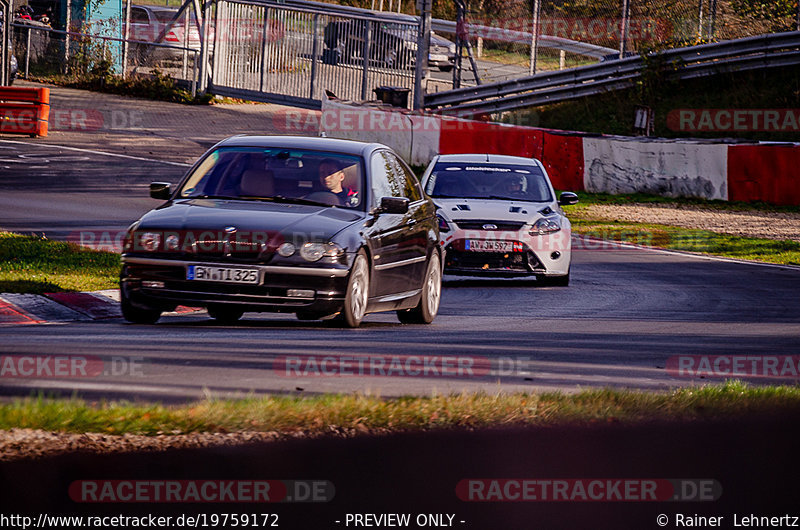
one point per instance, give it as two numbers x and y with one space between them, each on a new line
562 156
769 173
464 136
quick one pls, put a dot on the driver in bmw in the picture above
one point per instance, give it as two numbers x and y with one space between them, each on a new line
331 176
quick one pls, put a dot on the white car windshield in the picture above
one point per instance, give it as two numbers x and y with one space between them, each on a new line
470 180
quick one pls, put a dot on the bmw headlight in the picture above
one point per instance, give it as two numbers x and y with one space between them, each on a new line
316 251
545 225
286 249
451 48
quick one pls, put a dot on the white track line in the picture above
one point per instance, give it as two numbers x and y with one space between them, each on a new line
142 159
698 256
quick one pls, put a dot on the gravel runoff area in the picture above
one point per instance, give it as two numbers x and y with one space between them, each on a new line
31 443
16 444
751 223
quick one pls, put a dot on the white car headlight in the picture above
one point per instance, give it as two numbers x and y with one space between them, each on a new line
444 226
316 251
545 225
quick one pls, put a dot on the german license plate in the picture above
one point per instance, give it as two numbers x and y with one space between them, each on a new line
222 274
490 245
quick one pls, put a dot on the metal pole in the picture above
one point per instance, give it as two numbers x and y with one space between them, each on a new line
534 36
623 39
423 45
219 48
7 41
185 55
27 53
314 53
205 8
66 37
6 58
264 50
700 21
365 71
712 16
460 23
126 34
194 76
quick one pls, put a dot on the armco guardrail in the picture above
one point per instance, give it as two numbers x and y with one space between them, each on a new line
764 51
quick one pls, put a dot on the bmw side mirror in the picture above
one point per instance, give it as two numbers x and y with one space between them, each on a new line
160 190
567 198
393 205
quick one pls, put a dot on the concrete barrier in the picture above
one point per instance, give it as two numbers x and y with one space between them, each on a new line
658 167
769 173
577 161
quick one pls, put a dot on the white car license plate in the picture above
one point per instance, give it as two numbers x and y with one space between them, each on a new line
222 274
490 245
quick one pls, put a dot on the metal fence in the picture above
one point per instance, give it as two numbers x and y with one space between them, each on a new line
294 54
42 51
293 51
511 38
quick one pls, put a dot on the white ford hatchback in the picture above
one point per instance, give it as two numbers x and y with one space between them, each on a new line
499 216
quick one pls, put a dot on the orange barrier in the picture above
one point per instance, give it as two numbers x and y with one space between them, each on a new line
24 110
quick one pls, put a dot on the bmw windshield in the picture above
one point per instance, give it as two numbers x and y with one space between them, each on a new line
470 180
278 174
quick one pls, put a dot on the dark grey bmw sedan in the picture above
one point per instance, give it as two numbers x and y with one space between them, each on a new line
314 226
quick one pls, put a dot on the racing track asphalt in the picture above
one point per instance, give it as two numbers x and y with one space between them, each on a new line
626 313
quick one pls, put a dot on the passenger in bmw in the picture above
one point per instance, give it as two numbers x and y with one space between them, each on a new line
332 176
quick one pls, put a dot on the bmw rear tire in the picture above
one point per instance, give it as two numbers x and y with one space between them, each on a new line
428 305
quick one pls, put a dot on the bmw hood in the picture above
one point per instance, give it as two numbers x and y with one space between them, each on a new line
294 221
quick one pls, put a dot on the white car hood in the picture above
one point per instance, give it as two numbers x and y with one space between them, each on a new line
492 210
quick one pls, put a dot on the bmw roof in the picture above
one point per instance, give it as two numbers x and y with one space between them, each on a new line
312 143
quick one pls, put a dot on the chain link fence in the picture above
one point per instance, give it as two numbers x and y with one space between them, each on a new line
300 52
156 47
579 32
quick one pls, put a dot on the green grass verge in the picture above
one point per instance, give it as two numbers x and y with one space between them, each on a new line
588 199
30 264
783 252
358 413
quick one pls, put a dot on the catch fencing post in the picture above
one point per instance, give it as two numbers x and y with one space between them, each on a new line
365 71
535 36
623 39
